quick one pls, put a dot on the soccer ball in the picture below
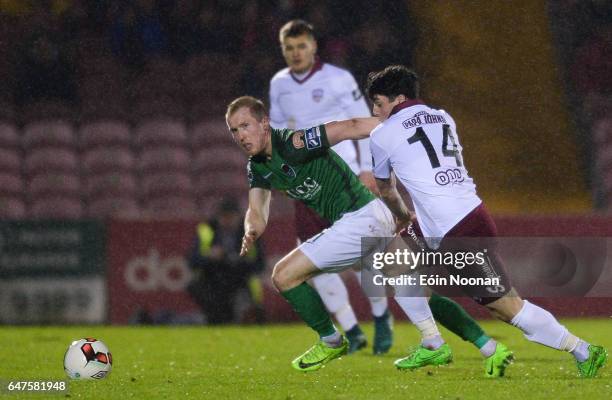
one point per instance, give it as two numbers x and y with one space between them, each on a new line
87 358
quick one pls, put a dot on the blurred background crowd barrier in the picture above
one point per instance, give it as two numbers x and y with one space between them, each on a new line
113 144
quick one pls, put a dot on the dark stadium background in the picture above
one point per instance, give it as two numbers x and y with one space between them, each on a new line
113 144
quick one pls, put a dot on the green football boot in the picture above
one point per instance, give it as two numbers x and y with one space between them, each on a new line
496 363
357 339
597 358
422 356
318 355
383 333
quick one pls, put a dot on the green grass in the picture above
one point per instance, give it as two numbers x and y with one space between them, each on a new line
254 362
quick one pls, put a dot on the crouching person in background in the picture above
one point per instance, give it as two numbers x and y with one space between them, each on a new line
226 286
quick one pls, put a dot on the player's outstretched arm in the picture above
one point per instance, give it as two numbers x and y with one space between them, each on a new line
354 128
256 218
393 200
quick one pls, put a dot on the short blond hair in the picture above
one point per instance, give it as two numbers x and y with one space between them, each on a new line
295 28
255 106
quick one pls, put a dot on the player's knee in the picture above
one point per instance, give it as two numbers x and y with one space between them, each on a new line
282 277
277 277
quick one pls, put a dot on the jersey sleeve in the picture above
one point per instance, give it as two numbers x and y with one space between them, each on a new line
255 179
305 144
277 118
381 163
365 155
350 97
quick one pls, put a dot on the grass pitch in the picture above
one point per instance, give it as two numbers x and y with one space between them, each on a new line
254 363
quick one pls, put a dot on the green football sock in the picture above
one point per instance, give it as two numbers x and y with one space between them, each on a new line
454 318
309 306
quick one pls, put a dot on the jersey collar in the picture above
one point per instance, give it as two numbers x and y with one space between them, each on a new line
405 104
316 67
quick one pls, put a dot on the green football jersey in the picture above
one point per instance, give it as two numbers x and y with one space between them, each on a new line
304 167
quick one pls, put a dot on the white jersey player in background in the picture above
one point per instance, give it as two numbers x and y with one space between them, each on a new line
420 146
308 93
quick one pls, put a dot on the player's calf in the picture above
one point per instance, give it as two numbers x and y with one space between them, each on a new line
507 307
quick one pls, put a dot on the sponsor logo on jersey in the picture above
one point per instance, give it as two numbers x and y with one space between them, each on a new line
249 173
317 95
423 118
454 176
305 191
297 140
288 170
313 138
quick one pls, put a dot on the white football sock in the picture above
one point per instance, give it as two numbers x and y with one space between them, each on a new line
431 337
542 327
378 304
333 292
489 348
333 340
416 308
418 311
581 351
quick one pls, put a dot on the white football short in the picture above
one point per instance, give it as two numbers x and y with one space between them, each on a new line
340 246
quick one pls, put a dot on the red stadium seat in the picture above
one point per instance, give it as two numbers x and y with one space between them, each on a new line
221 184
115 183
56 133
157 132
212 132
11 183
53 183
10 160
113 206
220 158
12 207
104 159
50 159
105 133
158 183
9 138
164 159
61 207
171 206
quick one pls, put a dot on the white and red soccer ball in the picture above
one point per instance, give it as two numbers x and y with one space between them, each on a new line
87 358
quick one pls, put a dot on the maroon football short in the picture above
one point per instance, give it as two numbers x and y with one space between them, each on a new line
474 233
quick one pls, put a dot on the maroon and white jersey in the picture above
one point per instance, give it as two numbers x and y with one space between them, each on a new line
421 146
327 93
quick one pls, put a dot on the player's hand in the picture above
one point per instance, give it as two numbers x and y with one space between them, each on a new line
248 240
402 222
